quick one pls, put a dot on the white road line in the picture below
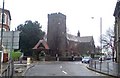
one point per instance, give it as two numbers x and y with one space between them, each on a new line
64 72
60 66
77 63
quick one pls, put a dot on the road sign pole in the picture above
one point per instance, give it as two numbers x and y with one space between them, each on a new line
12 45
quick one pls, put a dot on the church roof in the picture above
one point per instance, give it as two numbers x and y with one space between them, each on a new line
79 39
73 38
86 39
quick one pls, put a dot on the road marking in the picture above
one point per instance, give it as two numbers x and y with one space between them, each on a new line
64 72
77 63
60 66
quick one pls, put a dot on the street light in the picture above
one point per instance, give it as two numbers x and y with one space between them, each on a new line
100 32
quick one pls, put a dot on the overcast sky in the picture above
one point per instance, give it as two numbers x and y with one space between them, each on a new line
78 13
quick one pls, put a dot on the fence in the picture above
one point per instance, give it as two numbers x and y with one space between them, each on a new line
110 68
8 71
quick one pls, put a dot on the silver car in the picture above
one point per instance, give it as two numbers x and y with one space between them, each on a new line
86 60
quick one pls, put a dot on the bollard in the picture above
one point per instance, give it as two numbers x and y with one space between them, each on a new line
108 67
92 63
100 65
28 60
95 64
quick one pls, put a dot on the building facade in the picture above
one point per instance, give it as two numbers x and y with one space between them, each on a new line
6 20
117 31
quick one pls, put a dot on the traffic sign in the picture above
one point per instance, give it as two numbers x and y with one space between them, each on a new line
10 39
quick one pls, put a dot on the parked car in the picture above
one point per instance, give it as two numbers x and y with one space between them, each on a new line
86 59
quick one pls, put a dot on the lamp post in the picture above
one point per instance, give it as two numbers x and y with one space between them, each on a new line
100 32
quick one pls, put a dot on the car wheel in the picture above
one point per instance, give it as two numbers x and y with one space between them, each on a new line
88 61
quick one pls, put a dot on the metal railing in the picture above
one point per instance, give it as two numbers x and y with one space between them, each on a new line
9 70
110 68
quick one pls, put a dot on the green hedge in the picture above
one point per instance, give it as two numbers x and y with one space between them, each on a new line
16 55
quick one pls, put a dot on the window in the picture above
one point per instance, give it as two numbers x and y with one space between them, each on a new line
8 21
4 18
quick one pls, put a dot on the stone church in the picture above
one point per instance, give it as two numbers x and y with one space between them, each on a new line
64 44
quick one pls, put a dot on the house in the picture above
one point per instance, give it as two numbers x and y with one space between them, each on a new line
6 20
6 27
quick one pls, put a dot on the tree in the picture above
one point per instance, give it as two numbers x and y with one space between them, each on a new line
30 34
108 41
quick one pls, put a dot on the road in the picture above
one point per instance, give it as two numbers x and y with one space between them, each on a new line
61 69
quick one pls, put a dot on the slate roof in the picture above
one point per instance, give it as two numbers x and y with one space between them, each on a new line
79 39
86 39
73 38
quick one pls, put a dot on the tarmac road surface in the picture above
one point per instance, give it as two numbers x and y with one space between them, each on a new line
56 68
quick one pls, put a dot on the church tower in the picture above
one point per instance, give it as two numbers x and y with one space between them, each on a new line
56 33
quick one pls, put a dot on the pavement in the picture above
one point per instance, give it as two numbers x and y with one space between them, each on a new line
104 67
4 66
21 68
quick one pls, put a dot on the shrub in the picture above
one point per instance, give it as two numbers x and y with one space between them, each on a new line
16 55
